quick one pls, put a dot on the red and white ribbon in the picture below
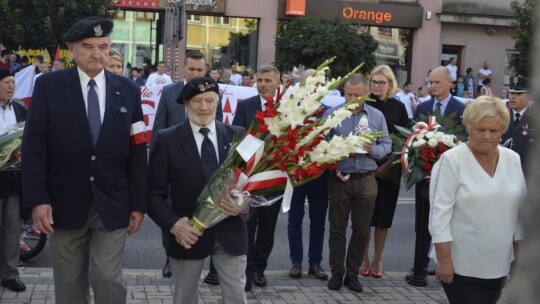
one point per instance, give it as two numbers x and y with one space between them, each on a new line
251 150
137 133
418 128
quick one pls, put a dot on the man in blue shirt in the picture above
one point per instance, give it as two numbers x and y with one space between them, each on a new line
353 189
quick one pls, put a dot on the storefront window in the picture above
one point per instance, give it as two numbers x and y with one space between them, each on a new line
134 36
393 50
224 40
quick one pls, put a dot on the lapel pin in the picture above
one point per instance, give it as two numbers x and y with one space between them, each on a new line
117 93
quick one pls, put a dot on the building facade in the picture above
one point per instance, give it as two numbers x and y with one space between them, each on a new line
429 31
414 35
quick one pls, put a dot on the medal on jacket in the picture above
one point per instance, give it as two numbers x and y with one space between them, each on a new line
531 141
525 130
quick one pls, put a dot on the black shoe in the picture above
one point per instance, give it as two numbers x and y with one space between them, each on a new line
14 285
211 279
248 283
409 275
317 271
335 282
167 273
296 271
353 283
259 279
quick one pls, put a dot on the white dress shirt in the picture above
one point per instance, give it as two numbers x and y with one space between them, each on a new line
100 88
406 100
199 137
7 118
476 213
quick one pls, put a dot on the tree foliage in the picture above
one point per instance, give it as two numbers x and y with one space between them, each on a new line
37 24
310 41
523 26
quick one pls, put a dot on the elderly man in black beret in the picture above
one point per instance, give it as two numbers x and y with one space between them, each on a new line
84 172
11 112
182 160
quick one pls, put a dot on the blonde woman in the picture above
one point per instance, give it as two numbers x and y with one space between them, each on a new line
475 193
116 63
382 83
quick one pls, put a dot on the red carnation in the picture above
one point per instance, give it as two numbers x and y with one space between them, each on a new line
426 166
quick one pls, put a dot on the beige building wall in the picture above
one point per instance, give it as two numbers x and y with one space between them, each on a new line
426 49
480 45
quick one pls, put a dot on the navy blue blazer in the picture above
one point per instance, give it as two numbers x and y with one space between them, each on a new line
61 166
245 111
175 170
169 112
521 135
454 105
10 181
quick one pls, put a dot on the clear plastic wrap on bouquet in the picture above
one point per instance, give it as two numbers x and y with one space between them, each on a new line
224 184
10 144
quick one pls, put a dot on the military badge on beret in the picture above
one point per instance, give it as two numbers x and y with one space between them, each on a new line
197 86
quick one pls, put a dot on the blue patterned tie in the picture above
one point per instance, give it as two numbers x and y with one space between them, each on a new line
94 116
208 154
438 109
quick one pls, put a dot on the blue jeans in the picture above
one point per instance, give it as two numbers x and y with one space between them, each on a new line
317 193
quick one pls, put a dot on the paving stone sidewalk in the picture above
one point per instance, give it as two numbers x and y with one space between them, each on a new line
147 286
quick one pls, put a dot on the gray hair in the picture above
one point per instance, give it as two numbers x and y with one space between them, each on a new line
269 68
357 79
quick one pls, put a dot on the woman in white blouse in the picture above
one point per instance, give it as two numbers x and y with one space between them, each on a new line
475 194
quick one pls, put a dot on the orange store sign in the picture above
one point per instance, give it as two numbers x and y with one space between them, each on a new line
368 13
359 14
296 8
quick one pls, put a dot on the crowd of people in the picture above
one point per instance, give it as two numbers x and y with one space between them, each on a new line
75 121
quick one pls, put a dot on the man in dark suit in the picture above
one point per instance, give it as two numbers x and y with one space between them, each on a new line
180 166
11 112
84 173
519 136
262 221
443 102
440 82
171 113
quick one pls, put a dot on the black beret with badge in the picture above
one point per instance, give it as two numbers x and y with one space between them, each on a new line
90 27
6 72
519 84
197 86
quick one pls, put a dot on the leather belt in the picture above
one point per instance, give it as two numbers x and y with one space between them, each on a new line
359 175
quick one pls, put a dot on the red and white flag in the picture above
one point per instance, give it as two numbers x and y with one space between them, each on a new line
24 84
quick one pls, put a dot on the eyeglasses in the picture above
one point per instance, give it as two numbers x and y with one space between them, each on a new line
378 83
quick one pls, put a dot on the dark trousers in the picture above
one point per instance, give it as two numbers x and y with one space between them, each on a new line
422 223
261 226
469 290
355 198
316 192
